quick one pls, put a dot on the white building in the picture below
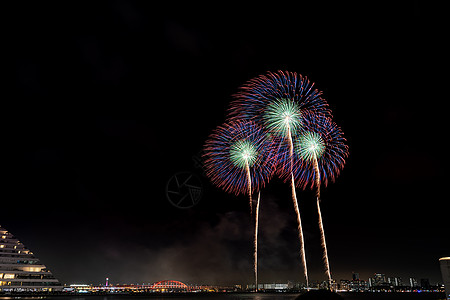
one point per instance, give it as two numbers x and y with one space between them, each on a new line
445 270
20 270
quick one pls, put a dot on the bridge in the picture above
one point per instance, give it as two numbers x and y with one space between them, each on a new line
172 285
159 286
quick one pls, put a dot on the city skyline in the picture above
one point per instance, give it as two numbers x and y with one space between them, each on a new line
11 249
391 280
109 107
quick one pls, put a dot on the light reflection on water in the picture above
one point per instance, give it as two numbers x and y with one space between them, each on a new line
21 298
233 296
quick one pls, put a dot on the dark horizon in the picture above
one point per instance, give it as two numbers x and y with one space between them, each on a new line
109 102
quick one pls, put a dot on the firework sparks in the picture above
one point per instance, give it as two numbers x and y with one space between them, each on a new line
282 116
240 158
277 101
243 154
320 145
263 98
255 242
319 155
300 231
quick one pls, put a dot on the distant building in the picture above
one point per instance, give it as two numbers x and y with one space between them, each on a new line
272 286
425 283
344 284
413 282
445 270
395 281
355 276
20 270
379 279
358 285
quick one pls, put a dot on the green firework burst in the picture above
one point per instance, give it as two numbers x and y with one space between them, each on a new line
243 152
281 116
310 145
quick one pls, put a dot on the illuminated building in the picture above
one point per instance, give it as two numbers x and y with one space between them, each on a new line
445 270
413 282
358 285
272 286
395 281
20 270
379 279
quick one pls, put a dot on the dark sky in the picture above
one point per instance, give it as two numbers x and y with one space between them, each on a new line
109 100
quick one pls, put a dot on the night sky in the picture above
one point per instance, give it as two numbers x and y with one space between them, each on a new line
109 100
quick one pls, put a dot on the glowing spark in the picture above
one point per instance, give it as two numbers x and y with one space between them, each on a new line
255 254
249 185
321 142
322 231
237 155
297 211
319 155
282 115
310 145
243 152
300 231
240 158
277 97
277 101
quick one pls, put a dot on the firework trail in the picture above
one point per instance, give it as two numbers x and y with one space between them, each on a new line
249 185
320 153
255 242
297 210
240 158
277 102
281 118
300 231
322 231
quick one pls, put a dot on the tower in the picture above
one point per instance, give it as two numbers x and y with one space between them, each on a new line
445 270
20 270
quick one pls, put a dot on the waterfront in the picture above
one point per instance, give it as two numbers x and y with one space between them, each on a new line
230 296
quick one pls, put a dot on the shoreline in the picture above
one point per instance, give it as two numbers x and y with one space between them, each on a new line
43 295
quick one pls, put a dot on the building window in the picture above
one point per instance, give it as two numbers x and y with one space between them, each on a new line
31 269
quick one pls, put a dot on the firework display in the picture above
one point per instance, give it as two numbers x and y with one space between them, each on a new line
277 101
278 123
239 157
268 99
255 242
319 155
321 145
